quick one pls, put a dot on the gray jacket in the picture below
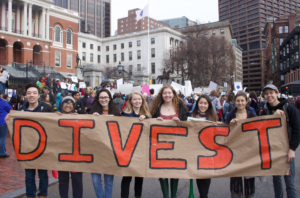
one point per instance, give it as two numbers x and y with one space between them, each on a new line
216 103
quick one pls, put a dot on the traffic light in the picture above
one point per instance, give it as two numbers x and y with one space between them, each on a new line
286 90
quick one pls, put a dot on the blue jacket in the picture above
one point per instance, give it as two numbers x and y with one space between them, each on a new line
131 114
58 99
231 115
4 110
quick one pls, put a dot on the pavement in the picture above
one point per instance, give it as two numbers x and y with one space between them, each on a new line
12 183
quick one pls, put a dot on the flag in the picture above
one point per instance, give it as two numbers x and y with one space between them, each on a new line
142 13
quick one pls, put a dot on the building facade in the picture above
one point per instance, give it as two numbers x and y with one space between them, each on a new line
238 69
38 31
132 50
95 15
180 22
129 24
248 19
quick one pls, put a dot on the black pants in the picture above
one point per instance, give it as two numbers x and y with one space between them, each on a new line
236 187
203 187
125 185
63 177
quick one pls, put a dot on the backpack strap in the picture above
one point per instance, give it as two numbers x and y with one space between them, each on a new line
285 106
266 108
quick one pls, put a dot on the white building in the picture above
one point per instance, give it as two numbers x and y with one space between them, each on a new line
132 50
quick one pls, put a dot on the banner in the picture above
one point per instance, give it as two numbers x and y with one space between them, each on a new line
126 147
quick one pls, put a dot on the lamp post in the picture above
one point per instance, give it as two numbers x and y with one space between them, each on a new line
44 67
120 67
30 65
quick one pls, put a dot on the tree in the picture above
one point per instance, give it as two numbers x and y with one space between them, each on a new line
201 58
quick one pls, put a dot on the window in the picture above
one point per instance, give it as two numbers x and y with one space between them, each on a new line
115 47
130 55
222 31
107 48
280 41
57 59
153 68
152 40
69 60
115 57
297 56
83 56
286 29
57 34
91 46
139 54
122 45
130 44
99 48
213 32
69 36
107 58
153 52
280 29
99 59
139 67
91 57
83 45
138 43
122 56
130 70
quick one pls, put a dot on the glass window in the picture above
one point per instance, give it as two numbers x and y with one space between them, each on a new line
91 57
130 44
99 48
107 48
153 52
115 57
122 45
107 58
57 34
122 56
152 40
280 29
83 45
99 59
222 31
214 32
115 47
280 41
83 56
139 54
130 55
297 56
153 68
139 67
57 59
69 60
130 69
286 29
91 46
69 36
138 43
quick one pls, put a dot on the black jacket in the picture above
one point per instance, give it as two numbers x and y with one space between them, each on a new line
79 107
182 112
294 120
231 115
42 107
84 100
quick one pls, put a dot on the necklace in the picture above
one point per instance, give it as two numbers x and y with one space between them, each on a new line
168 108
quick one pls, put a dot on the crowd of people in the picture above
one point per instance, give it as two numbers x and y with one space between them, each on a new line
167 104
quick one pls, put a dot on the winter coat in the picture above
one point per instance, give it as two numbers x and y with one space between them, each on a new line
4 110
58 99
216 103
119 102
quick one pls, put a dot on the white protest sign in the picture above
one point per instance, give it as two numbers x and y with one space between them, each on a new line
125 88
82 85
73 87
113 91
177 87
119 83
69 86
188 89
156 88
137 89
206 91
244 89
238 86
212 85
63 85
198 90
10 92
3 77
74 79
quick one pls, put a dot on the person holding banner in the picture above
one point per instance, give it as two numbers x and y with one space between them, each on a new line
204 109
68 104
137 107
167 105
103 105
240 112
4 110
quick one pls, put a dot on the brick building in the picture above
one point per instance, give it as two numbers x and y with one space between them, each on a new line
281 65
129 24
50 35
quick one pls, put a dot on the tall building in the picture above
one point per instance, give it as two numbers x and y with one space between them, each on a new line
180 22
95 15
238 67
129 24
248 18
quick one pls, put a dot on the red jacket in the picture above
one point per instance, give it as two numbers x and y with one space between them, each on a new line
124 105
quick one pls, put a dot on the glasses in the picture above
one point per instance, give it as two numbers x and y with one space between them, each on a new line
70 104
103 98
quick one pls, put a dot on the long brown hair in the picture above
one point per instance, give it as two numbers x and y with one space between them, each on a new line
97 107
158 100
210 112
144 110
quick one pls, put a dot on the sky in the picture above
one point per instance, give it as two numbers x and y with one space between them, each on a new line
202 10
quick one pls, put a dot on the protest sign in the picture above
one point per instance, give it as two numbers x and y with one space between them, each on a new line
63 85
156 88
188 89
119 83
177 87
10 92
74 79
145 89
113 91
125 88
4 76
137 89
206 91
127 147
198 90
82 85
238 86
212 85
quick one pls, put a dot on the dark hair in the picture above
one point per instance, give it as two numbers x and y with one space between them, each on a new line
151 91
86 94
63 95
96 106
5 96
23 93
241 93
230 97
13 100
74 93
32 84
118 95
210 112
46 87
43 97
252 94
127 97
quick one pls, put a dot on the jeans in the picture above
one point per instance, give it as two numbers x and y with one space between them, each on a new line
2 88
97 182
125 185
77 187
3 134
30 182
289 183
203 187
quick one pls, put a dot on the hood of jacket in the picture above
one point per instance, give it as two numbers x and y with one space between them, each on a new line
37 109
282 101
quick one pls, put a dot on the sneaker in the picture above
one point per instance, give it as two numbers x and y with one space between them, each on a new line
4 156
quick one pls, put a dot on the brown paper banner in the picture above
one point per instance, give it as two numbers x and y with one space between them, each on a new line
126 147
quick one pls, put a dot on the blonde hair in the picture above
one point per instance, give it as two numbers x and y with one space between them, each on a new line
91 93
144 110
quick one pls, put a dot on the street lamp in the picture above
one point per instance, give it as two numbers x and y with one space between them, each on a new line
120 68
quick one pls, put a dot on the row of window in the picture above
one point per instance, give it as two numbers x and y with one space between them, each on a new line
222 31
58 35
139 68
58 59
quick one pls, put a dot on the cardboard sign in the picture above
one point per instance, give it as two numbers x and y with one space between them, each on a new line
206 91
238 86
119 83
188 89
145 89
177 87
82 85
137 89
198 90
10 92
125 146
212 85
156 88
4 76
74 79
63 85
113 91
125 88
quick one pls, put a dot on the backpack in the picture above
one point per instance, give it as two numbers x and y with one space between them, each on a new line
258 108
230 107
213 104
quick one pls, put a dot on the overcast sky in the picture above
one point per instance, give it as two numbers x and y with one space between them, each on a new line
202 10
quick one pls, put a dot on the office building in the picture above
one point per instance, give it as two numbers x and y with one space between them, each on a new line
238 67
248 18
180 22
95 15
